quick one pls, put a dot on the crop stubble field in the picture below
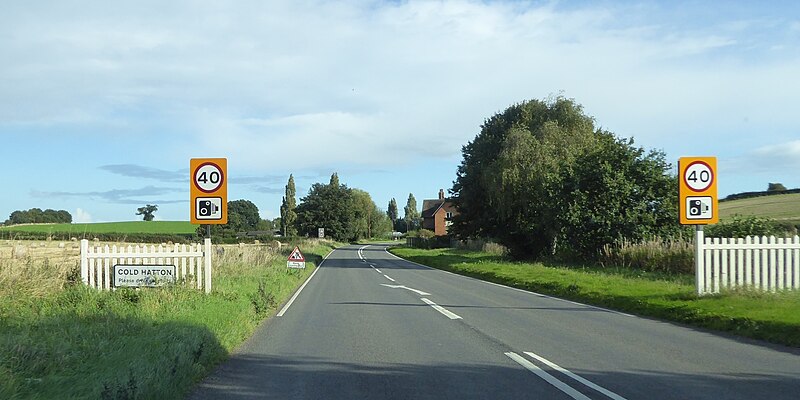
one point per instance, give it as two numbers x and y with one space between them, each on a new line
784 207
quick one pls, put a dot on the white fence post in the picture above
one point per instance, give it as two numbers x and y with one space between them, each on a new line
207 269
84 261
699 260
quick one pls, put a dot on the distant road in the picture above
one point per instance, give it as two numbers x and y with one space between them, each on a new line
371 326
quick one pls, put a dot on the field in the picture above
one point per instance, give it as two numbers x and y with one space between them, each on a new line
60 339
168 227
784 207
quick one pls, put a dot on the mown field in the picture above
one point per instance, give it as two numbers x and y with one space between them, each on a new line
59 339
784 207
768 316
169 227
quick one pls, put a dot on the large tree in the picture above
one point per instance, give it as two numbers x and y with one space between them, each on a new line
392 211
514 181
411 214
288 212
331 207
147 212
243 215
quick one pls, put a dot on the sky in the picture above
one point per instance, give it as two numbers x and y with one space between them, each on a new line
103 104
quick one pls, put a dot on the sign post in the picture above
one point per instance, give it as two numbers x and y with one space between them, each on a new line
698 205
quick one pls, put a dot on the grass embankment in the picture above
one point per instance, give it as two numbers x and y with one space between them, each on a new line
768 316
782 207
174 227
59 339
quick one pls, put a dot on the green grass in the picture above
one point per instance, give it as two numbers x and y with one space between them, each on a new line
783 207
767 316
169 227
151 344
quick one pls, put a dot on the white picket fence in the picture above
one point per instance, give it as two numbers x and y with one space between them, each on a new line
191 262
764 263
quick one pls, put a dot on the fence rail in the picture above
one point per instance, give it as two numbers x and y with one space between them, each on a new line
764 263
191 261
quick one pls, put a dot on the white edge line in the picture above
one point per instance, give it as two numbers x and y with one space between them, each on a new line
577 377
387 277
446 312
297 293
513 288
569 390
379 271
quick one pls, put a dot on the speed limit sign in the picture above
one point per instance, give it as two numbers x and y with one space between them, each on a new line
698 190
209 190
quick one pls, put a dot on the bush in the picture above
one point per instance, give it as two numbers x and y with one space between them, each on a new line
741 226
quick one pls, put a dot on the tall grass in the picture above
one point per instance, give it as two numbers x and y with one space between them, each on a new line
656 254
60 339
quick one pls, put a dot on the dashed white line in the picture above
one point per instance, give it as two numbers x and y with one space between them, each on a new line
446 312
569 390
576 377
387 277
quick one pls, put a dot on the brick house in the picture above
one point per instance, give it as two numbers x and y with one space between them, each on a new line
437 214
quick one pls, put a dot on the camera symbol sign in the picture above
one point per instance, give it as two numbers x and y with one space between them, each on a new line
209 190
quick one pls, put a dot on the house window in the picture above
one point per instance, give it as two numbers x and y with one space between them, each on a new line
448 215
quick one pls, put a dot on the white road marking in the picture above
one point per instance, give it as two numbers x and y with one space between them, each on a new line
513 288
419 292
379 271
571 392
576 377
387 277
446 312
286 307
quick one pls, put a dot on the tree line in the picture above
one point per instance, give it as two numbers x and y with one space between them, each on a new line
37 216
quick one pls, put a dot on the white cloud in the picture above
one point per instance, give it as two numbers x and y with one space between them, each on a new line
81 216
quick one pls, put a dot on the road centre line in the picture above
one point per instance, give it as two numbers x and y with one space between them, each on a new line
387 277
569 390
513 288
576 377
297 293
446 312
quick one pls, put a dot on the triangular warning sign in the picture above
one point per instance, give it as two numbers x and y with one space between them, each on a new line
296 255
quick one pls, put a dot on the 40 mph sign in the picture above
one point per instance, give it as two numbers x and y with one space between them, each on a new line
698 190
209 190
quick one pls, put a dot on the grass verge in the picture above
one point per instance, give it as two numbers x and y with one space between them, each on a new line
772 317
75 342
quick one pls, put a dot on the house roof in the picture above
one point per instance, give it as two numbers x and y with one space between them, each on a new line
430 207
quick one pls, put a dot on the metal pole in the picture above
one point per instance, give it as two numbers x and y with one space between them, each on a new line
699 260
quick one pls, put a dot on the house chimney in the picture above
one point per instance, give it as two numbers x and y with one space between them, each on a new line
441 194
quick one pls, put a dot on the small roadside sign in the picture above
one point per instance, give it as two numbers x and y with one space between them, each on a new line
321 233
296 259
698 203
209 190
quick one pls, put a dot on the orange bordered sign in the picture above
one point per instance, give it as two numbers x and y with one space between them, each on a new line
209 190
296 259
698 204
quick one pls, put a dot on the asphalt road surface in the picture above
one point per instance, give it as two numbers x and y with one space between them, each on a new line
368 325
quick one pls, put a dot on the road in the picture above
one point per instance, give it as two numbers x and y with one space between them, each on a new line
368 325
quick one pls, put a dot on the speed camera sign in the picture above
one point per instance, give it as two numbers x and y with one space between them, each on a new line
698 190
209 190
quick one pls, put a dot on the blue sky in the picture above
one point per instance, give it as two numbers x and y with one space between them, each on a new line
102 105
